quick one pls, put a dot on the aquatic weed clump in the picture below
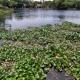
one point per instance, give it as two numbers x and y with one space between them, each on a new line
33 52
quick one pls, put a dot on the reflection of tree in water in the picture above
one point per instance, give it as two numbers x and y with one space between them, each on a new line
61 16
19 14
22 13
2 24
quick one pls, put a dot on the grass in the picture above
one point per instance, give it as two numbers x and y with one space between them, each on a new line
29 54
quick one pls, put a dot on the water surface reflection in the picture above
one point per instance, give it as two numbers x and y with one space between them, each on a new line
23 18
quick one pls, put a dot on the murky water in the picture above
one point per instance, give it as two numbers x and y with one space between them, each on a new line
23 18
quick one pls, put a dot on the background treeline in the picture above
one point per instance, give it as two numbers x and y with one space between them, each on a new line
55 4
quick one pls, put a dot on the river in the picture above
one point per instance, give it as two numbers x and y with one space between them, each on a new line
23 18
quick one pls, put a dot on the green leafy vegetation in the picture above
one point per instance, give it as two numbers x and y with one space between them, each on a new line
4 12
29 54
55 4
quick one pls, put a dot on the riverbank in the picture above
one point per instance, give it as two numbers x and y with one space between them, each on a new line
33 52
4 12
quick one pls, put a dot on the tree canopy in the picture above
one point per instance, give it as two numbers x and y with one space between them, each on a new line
55 4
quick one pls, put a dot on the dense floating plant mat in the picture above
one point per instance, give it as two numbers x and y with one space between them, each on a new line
34 51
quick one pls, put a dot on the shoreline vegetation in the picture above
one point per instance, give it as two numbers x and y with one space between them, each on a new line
4 12
55 4
7 6
30 54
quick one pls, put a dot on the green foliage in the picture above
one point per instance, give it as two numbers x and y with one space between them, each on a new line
29 54
55 4
4 13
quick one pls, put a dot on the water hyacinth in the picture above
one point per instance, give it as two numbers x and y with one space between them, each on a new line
31 53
